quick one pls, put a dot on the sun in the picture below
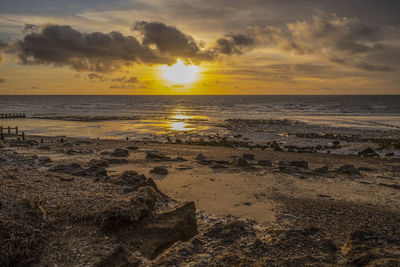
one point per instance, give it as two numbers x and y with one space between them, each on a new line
180 73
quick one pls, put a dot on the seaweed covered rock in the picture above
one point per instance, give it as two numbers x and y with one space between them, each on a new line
231 242
99 163
159 170
76 170
131 179
368 152
126 213
264 163
119 152
21 244
157 156
366 248
348 169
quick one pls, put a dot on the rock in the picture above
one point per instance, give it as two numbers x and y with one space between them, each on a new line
76 170
141 204
348 169
24 143
132 148
159 170
265 163
201 157
99 163
205 162
241 162
116 160
180 159
44 148
323 169
67 145
44 160
168 227
72 152
366 169
336 143
284 163
368 152
18 144
218 166
366 248
248 156
389 155
286 167
157 157
301 164
20 243
221 161
119 152
131 179
395 186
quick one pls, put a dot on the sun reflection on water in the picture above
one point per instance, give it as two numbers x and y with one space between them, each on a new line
182 120
179 126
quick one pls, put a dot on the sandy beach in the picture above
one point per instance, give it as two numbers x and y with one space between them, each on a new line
64 193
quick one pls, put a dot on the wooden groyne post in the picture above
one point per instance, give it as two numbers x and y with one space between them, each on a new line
2 134
12 115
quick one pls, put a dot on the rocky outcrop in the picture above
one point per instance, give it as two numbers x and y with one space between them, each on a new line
115 220
230 242
366 248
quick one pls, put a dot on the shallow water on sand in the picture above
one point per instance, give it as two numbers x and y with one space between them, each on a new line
139 117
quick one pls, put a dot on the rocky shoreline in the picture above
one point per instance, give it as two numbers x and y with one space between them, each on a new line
87 202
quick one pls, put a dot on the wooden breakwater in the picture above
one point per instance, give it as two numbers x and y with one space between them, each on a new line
11 132
12 115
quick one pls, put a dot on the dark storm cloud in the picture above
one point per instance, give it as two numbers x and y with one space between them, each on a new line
170 40
339 34
330 37
61 45
276 12
234 44
100 52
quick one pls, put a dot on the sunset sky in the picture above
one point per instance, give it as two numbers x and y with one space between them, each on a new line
200 47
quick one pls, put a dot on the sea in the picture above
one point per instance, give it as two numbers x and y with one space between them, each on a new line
149 117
